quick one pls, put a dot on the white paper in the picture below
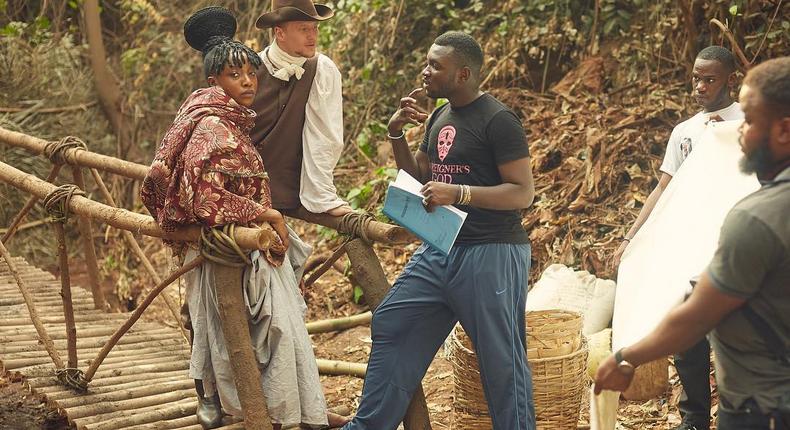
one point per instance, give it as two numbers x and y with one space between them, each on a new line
407 182
603 409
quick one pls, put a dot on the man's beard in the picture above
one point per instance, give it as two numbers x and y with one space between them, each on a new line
758 161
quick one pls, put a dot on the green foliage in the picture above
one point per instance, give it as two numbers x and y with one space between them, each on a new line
616 16
367 137
359 197
326 233
37 32
358 293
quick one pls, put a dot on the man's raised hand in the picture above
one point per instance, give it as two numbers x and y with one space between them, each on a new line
409 112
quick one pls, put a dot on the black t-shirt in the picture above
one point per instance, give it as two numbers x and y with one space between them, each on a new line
465 146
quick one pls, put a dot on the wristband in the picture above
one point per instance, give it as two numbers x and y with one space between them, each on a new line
621 362
618 356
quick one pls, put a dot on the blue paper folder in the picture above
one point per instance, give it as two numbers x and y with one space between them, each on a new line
403 205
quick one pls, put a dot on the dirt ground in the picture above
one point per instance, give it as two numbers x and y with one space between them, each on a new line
19 410
332 297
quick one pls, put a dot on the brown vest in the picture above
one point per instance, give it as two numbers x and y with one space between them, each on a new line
278 130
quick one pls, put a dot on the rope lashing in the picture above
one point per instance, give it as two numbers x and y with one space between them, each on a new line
356 225
57 202
219 245
56 150
72 378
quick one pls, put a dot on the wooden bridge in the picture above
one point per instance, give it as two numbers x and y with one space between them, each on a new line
136 373
143 383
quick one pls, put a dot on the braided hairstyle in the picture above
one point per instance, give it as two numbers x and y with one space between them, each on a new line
210 31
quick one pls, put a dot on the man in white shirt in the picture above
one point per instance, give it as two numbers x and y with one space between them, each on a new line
713 80
299 128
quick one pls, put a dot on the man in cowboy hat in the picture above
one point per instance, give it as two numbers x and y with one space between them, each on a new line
299 128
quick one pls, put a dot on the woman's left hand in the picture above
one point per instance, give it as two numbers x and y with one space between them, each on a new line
282 231
439 194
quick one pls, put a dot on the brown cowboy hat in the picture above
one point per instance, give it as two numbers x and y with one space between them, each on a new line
294 10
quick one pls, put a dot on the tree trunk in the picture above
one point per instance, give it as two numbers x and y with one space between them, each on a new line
108 89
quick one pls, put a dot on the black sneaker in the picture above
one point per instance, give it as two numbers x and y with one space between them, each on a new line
209 412
689 426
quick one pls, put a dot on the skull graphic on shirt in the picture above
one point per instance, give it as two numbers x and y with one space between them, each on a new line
445 141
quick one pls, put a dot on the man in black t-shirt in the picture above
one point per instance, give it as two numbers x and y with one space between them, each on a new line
475 156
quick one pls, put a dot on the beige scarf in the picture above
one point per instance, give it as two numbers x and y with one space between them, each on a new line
285 65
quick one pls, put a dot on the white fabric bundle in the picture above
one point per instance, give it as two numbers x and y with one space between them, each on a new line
603 409
678 240
289 373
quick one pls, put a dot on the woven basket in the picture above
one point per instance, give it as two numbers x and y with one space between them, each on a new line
557 382
553 333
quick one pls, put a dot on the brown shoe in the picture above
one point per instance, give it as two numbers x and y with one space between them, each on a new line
336 421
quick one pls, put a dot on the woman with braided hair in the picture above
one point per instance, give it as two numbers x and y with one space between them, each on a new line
206 171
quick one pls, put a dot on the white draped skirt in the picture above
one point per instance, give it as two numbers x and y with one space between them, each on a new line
275 308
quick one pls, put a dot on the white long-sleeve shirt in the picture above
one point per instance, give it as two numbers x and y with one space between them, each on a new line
322 137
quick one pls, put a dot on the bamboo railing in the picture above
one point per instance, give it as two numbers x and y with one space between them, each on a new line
366 266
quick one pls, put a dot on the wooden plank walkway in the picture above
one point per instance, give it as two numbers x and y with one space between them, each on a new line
143 383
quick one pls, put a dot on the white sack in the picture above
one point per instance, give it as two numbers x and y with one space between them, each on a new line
577 291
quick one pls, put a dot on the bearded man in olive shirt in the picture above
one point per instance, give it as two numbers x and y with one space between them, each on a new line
744 295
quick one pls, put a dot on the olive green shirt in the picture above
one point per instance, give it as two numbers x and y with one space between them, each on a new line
753 263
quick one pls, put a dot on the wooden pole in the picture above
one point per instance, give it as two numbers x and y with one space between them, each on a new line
341 368
235 328
9 234
371 277
377 231
86 231
247 238
136 315
326 326
77 157
43 337
65 292
135 247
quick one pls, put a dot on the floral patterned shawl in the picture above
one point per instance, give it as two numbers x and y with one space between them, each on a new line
206 170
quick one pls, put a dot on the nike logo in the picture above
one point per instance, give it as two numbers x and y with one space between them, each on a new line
500 292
